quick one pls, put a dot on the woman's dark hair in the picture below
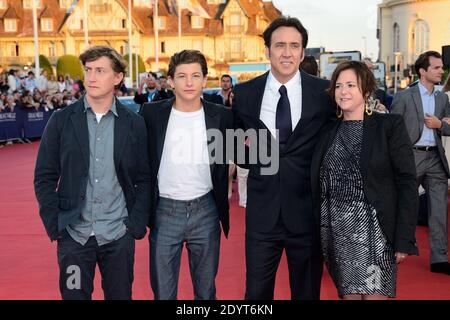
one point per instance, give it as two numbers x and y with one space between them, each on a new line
187 57
366 79
285 21
309 65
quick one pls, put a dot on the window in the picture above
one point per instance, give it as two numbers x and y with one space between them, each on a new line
75 21
51 49
124 23
420 37
163 47
197 44
2 4
161 22
47 24
143 3
235 19
10 25
28 4
14 50
396 35
236 45
197 22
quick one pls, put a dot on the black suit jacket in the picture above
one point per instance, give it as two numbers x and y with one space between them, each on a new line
213 98
288 192
389 176
156 115
62 168
160 95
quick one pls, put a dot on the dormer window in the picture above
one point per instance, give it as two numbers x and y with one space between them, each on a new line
10 25
47 24
197 22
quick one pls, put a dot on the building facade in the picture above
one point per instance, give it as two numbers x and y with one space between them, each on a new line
410 27
231 36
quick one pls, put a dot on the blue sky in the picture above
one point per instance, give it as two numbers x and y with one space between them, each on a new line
337 25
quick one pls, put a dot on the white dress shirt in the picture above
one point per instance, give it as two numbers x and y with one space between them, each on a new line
271 97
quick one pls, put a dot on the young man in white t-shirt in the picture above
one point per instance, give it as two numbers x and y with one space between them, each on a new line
188 180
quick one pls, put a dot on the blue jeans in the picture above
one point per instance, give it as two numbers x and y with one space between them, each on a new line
196 223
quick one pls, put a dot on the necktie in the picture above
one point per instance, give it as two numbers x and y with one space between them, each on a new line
283 117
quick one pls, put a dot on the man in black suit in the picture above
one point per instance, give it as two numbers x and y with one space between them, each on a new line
151 89
92 182
279 206
164 91
188 180
213 98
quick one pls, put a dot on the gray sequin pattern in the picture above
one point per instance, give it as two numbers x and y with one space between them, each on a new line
357 255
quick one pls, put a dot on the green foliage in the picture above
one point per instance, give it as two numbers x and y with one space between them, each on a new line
45 64
71 65
141 65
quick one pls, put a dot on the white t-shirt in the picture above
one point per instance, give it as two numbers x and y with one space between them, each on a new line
184 172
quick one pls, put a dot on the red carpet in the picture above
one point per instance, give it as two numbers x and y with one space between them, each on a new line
28 265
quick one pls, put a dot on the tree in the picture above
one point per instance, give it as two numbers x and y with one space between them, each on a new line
141 65
70 64
45 64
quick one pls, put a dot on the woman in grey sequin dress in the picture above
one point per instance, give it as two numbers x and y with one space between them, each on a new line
364 233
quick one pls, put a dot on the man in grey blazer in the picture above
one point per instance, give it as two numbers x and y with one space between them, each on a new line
424 109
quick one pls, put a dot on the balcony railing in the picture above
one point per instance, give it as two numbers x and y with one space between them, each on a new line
234 56
234 29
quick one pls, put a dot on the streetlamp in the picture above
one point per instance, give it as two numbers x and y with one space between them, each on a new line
397 56
365 46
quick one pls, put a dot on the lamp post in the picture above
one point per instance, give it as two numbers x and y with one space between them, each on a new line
397 56
365 46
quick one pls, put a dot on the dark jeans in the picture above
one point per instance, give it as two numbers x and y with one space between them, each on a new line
77 267
263 252
195 223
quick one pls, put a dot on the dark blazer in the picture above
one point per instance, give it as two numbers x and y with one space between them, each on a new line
159 95
62 168
156 115
389 176
213 98
289 190
408 103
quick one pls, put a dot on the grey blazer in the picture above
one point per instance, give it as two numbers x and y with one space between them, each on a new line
408 103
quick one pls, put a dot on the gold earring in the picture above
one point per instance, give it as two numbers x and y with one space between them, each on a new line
339 113
369 111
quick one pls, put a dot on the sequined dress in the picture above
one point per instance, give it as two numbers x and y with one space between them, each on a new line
356 253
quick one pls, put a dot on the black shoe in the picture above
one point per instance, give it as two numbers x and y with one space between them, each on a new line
442 267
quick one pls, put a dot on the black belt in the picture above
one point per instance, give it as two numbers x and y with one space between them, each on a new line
425 148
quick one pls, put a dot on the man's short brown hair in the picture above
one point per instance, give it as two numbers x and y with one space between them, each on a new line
118 63
187 57
366 79
423 61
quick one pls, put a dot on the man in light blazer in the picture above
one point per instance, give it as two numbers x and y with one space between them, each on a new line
423 109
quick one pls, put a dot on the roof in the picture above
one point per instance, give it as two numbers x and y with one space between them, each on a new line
142 17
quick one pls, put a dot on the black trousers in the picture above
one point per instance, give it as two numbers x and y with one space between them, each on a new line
77 267
263 253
